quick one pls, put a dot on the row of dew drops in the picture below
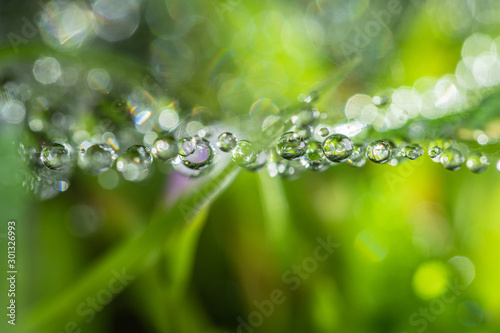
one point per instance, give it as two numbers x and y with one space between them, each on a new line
306 146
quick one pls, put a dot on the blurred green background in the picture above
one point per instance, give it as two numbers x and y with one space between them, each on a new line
416 246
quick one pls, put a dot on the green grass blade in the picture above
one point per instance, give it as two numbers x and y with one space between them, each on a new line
131 258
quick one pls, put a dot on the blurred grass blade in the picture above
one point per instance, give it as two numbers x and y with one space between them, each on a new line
131 258
14 206
159 296
180 256
276 216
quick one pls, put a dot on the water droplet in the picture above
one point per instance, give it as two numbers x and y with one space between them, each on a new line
412 152
452 159
436 147
337 147
186 146
379 151
477 162
244 153
435 151
290 147
226 142
135 163
165 148
202 155
314 158
323 131
260 161
56 156
357 158
97 158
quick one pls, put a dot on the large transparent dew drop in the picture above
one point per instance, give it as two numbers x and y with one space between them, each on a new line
289 147
226 142
56 156
452 159
97 158
244 154
477 162
202 154
379 151
324 132
314 158
337 147
135 163
165 148
357 158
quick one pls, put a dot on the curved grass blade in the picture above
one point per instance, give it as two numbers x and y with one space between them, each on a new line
128 260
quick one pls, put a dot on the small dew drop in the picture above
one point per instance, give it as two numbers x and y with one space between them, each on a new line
436 147
413 152
56 156
186 146
452 159
97 158
324 132
260 161
226 142
314 158
135 163
357 158
165 148
477 162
